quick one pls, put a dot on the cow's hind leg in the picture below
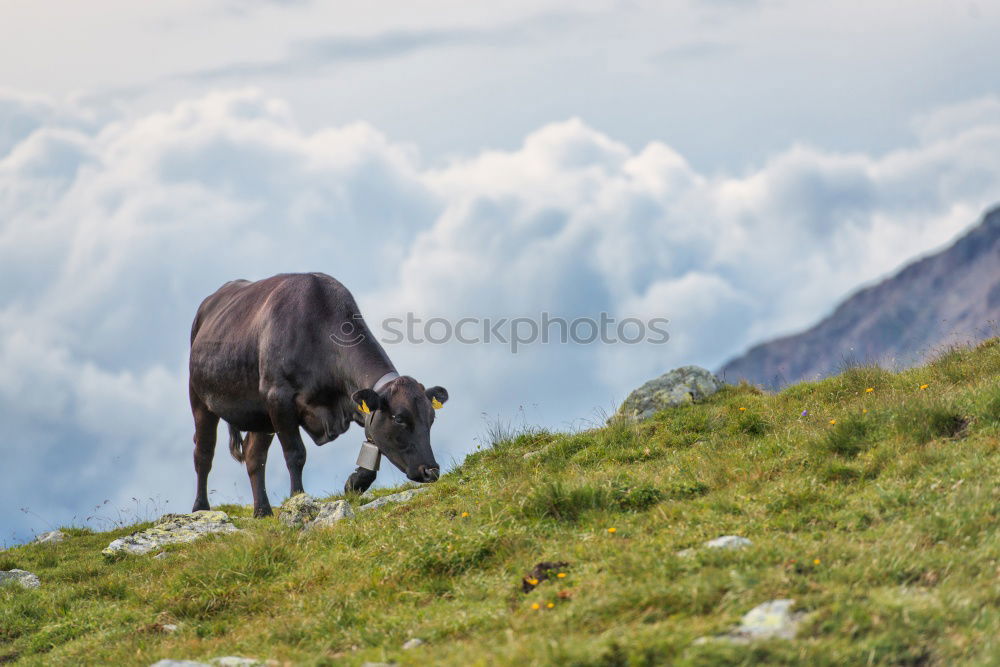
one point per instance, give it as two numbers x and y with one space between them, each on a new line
285 418
255 453
206 424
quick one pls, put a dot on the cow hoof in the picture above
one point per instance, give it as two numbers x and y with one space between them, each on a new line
199 506
261 512
359 481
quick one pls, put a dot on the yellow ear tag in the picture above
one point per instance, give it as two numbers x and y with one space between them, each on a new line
437 404
364 408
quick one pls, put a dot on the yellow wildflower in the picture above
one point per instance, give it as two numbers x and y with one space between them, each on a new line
864 411
743 409
533 582
551 605
869 390
612 530
832 422
465 515
816 561
923 386
536 606
561 575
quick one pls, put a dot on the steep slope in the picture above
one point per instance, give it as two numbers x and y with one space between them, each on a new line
951 296
875 511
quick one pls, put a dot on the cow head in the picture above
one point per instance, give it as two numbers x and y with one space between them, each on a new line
400 416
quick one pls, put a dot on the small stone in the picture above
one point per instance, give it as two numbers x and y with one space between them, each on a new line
236 661
161 555
19 577
413 643
298 510
330 513
168 627
728 542
401 497
51 537
173 529
531 455
677 387
773 619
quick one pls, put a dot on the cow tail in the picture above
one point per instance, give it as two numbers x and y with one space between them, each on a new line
235 443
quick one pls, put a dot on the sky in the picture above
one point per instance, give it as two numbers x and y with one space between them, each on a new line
733 166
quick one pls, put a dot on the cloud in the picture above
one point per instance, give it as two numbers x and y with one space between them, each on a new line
112 232
945 122
308 57
693 51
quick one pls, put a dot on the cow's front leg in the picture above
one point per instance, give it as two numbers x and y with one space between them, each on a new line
360 480
284 417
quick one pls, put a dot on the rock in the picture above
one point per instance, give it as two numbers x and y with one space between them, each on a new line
413 643
331 513
681 385
225 661
532 454
400 497
728 542
161 555
773 619
19 577
298 510
51 537
168 627
172 529
304 511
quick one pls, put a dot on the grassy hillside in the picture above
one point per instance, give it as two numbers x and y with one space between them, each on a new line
877 511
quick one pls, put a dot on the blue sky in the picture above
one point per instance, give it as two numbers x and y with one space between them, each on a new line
733 166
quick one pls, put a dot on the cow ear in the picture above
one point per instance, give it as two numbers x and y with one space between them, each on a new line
366 400
438 396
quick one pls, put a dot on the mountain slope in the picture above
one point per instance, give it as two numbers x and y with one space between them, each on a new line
876 511
951 296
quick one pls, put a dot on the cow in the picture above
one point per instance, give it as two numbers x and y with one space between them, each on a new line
291 351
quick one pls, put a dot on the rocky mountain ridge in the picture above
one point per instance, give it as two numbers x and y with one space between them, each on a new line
950 297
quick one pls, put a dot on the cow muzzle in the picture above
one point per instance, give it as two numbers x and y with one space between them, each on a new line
426 474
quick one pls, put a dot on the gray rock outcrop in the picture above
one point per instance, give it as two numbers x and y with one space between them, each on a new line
773 619
401 497
304 511
173 529
728 542
677 387
224 661
19 578
330 513
298 510
51 537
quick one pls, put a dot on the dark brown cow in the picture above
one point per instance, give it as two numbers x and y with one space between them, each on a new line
293 351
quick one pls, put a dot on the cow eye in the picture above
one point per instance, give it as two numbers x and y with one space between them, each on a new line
398 419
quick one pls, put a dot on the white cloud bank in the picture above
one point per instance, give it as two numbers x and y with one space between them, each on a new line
113 229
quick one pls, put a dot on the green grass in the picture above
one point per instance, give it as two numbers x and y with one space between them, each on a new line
884 526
